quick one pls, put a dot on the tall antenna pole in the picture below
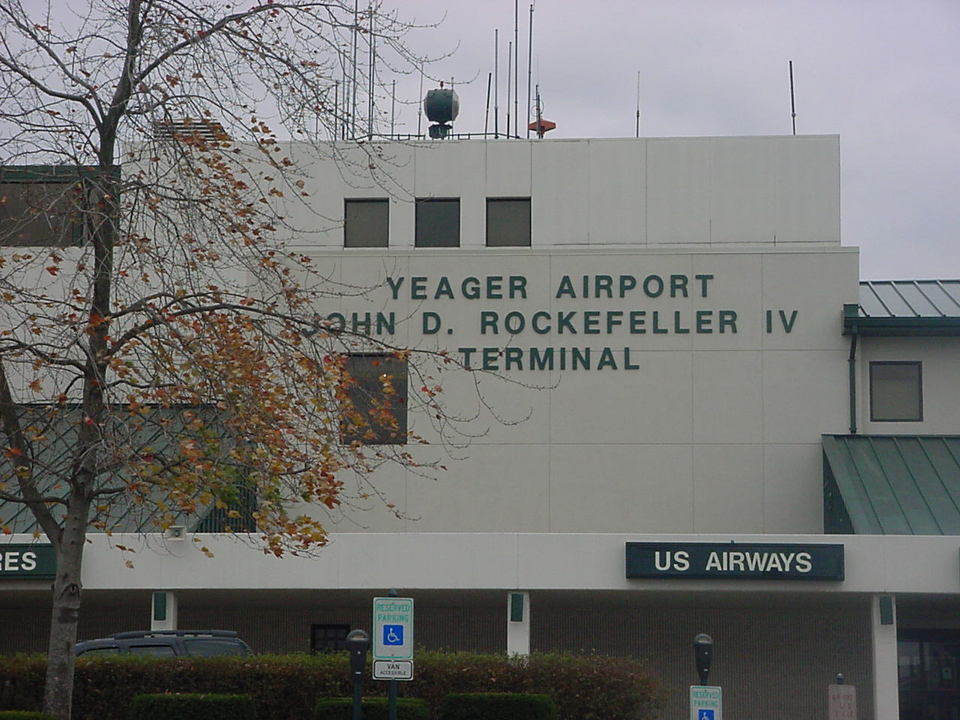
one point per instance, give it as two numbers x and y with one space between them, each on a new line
486 117
793 106
420 103
638 103
509 60
496 82
516 65
373 72
353 105
529 67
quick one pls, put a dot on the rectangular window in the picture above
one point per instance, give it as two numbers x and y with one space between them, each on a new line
438 222
508 222
328 638
896 392
366 223
375 411
39 207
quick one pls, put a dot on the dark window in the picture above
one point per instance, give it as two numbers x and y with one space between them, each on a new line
366 223
896 392
375 407
508 222
928 664
112 650
210 647
152 650
328 638
39 210
438 222
239 504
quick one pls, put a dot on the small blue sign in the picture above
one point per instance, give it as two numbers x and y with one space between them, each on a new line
393 635
705 714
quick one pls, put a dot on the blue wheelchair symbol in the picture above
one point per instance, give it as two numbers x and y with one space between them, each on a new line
705 714
393 635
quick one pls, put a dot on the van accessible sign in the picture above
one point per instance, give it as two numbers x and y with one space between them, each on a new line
34 561
736 561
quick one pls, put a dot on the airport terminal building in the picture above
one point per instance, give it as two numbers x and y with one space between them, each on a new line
689 415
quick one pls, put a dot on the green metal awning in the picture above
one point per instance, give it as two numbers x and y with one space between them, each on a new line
891 484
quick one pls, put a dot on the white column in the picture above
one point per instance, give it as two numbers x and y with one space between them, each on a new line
518 623
163 610
886 698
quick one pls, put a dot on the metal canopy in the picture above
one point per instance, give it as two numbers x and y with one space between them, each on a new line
891 484
904 308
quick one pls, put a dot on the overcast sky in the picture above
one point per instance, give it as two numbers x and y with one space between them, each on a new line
883 74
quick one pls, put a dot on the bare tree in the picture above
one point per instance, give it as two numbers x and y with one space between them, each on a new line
160 355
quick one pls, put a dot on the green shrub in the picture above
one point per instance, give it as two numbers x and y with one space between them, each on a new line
498 706
373 708
192 706
286 687
23 715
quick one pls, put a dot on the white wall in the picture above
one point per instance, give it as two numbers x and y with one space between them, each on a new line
940 382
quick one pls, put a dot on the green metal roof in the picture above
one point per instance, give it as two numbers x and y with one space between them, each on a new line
53 457
891 484
905 308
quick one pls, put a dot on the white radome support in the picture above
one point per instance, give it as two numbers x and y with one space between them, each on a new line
518 623
163 611
886 699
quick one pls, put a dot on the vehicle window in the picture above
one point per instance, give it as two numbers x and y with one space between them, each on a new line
206 647
111 650
152 650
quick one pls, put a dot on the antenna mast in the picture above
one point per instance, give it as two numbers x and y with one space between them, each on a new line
373 72
496 82
529 67
516 66
353 79
638 103
509 78
793 106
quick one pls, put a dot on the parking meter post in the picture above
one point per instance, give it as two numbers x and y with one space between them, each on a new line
357 643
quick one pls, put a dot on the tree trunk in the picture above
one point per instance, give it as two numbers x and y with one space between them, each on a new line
58 692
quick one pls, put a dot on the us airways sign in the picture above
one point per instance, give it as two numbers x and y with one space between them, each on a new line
748 561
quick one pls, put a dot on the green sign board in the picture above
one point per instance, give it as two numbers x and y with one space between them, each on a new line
34 561
392 628
706 702
735 561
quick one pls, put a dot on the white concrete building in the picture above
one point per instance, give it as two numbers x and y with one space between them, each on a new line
713 426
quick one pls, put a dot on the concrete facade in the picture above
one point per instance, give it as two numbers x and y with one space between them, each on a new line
658 366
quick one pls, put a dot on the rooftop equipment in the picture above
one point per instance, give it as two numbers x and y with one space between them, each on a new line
442 107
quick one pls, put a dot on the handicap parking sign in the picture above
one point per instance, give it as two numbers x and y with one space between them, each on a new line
393 635
705 714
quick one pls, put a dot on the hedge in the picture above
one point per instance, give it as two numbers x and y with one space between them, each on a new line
192 706
498 706
23 715
286 687
373 708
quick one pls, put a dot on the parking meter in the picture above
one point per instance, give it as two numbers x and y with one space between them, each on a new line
357 643
703 650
